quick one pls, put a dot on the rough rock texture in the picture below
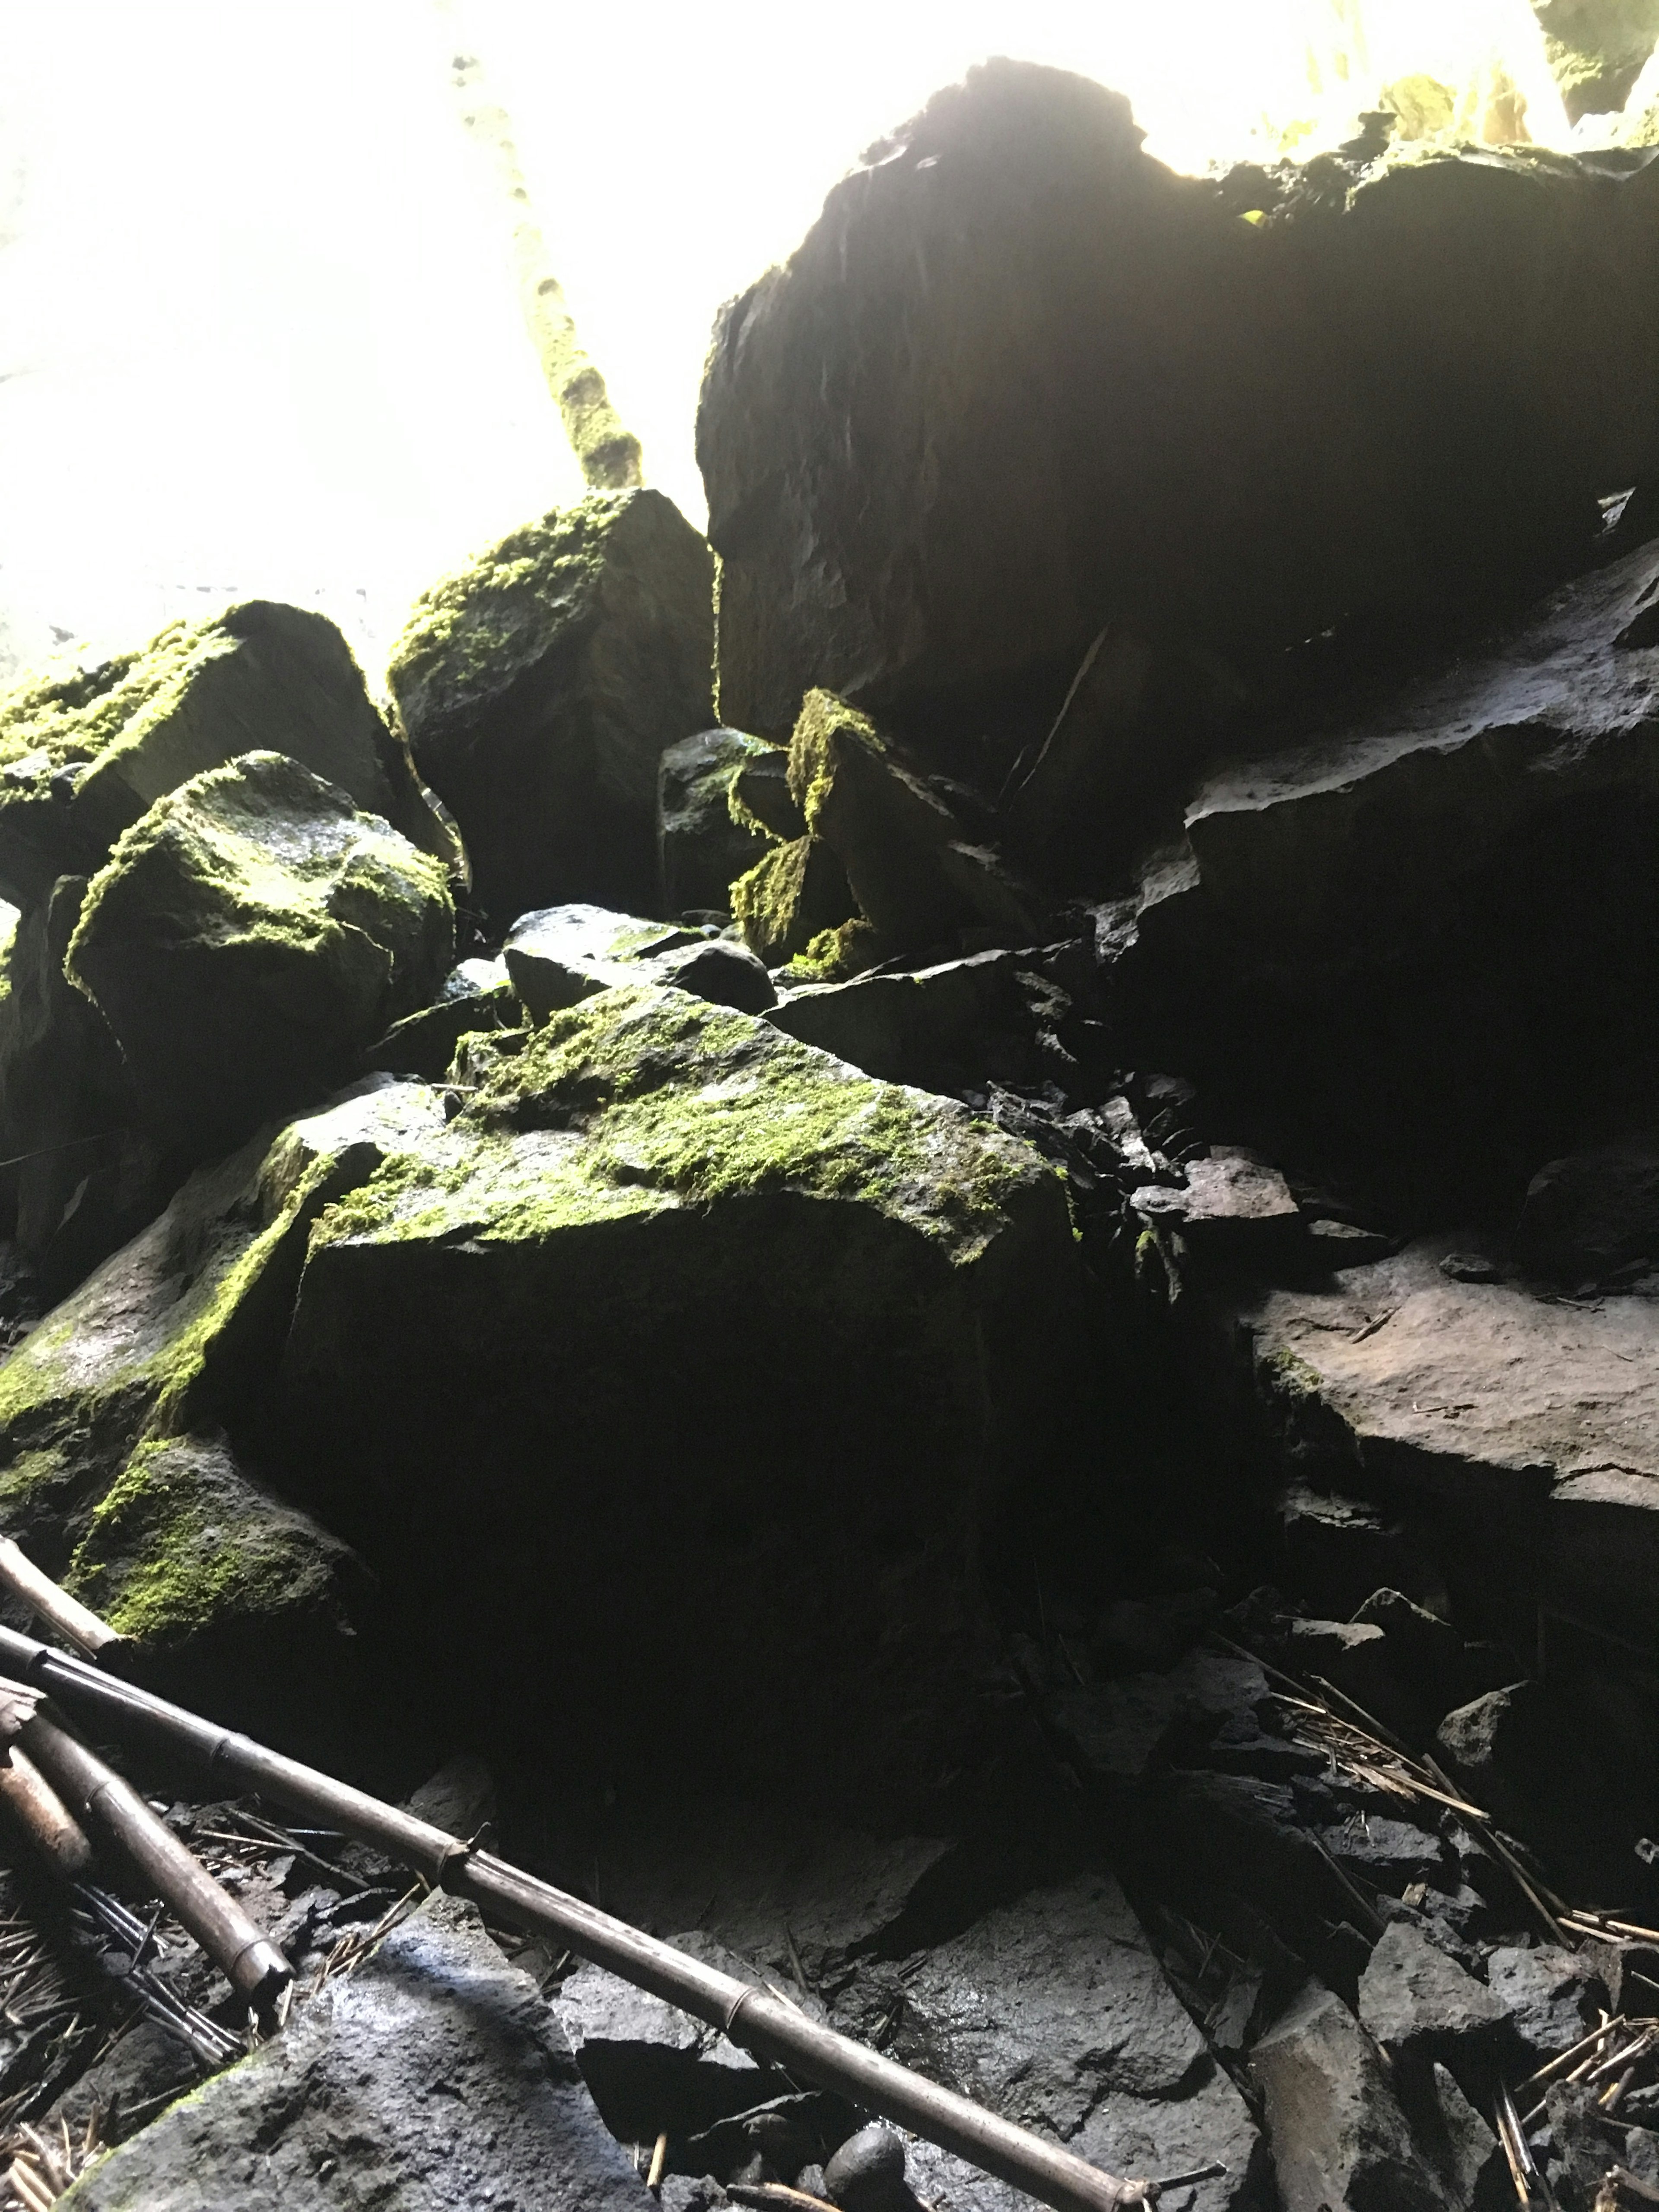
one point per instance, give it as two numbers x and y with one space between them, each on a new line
476 994
83 1181
645 1166
1415 2002
1552 1996
563 954
1521 1426
1340 2139
651 2066
1019 382
1055 2012
433 2076
702 840
1419 928
115 1473
541 686
1590 1214
82 755
942 1027
770 1886
791 896
249 936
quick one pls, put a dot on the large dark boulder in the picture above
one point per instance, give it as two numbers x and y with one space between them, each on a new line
82 755
1420 920
249 937
541 686
1021 383
696 1324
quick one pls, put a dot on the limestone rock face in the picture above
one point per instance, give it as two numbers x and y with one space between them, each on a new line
249 936
83 757
541 687
114 1469
643 1169
1020 382
435 2076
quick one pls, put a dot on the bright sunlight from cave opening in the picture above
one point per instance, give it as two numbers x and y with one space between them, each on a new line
258 331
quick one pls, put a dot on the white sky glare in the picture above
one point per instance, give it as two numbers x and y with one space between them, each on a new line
258 325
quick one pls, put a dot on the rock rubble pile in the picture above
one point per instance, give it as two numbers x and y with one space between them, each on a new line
950 1226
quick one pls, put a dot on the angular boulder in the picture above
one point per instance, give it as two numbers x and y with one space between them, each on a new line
1340 2139
248 937
435 2076
702 839
566 953
1419 923
115 1471
794 894
1418 2005
1020 382
846 1305
82 755
541 686
1520 1429
941 1027
911 867
1055 2012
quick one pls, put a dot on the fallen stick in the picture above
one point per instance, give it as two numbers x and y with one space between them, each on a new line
249 1961
41 1813
42 1596
751 2018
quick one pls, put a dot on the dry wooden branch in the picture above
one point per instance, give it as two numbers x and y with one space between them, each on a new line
748 2017
56 1606
243 1952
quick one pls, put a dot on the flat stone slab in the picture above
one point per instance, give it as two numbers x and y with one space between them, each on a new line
1489 1394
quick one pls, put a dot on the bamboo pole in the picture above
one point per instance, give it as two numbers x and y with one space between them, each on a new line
43 1816
56 1606
760 2023
246 1957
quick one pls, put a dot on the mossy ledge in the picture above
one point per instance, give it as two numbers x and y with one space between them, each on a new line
644 1097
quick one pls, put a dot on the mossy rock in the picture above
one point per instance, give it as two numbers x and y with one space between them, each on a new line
173 1340
789 898
703 837
83 755
477 995
677 1313
541 686
915 876
249 938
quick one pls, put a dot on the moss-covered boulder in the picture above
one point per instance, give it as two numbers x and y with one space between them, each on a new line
115 1468
792 895
682 1321
541 686
82 755
476 994
1597 49
83 1179
702 840
916 876
249 937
